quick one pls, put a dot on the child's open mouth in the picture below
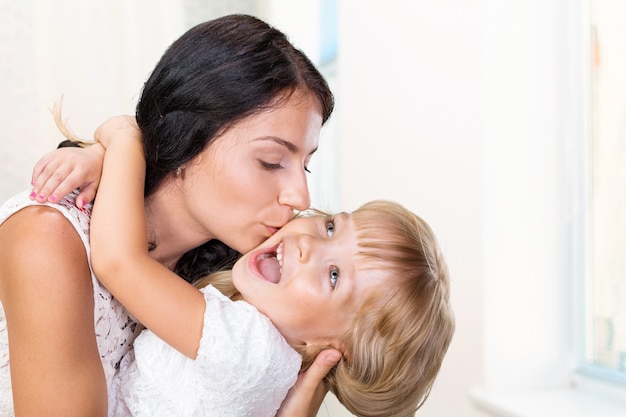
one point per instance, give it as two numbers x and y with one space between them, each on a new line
270 264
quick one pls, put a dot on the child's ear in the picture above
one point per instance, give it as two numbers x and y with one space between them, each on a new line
337 345
310 352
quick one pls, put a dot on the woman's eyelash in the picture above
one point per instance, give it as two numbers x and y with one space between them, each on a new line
334 276
270 166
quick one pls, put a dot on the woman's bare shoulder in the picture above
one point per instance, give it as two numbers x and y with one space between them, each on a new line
40 240
39 225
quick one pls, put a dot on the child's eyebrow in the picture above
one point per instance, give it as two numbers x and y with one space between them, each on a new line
350 267
342 215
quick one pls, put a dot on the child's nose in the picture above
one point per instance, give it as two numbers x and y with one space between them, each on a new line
306 245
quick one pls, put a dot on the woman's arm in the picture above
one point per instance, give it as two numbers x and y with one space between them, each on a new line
305 398
47 295
158 298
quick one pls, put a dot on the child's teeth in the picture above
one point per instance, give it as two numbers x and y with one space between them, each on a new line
279 257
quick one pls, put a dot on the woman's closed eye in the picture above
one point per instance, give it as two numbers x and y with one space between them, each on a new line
269 165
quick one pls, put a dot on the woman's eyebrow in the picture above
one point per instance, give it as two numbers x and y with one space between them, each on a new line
290 146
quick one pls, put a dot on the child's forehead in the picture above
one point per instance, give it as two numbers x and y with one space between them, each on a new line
370 276
365 261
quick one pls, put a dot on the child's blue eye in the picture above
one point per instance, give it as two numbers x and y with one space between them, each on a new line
334 276
330 227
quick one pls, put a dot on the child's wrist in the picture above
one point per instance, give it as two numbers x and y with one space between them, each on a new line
98 148
117 128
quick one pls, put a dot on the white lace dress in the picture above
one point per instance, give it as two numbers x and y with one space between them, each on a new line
244 368
115 329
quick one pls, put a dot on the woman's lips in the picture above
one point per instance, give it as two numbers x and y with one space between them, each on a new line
272 230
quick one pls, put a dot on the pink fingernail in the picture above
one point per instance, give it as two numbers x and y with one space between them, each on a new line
32 194
52 198
83 202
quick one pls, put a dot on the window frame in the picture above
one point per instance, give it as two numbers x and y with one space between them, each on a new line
582 229
534 118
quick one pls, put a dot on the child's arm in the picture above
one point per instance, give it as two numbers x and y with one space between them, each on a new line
67 168
157 297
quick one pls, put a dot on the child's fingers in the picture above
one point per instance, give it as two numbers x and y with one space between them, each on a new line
47 174
86 195
60 172
40 175
38 169
54 182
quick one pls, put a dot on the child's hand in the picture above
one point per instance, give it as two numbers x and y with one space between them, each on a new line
65 169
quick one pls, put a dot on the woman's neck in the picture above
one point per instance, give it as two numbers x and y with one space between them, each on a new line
170 234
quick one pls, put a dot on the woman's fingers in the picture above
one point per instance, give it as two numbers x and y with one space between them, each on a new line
305 398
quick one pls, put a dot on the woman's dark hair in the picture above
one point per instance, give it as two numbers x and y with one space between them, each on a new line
214 75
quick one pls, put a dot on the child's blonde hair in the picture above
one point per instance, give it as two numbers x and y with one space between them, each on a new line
396 345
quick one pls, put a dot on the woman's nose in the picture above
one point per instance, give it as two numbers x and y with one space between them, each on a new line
296 192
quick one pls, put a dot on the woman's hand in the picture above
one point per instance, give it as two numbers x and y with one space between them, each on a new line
305 398
65 169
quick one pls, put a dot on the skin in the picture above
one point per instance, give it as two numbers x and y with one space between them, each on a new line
321 284
52 347
306 396
246 185
320 291
47 295
178 316
239 190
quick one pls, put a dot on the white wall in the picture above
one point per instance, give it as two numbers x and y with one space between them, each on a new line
468 112
96 55
409 126
531 116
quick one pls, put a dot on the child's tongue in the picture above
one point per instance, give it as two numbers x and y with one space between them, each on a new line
268 265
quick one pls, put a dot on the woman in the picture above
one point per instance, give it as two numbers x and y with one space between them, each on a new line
234 74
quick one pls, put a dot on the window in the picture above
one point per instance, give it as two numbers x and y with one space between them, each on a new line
605 214
538 103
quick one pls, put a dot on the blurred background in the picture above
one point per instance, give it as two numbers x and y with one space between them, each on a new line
500 122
